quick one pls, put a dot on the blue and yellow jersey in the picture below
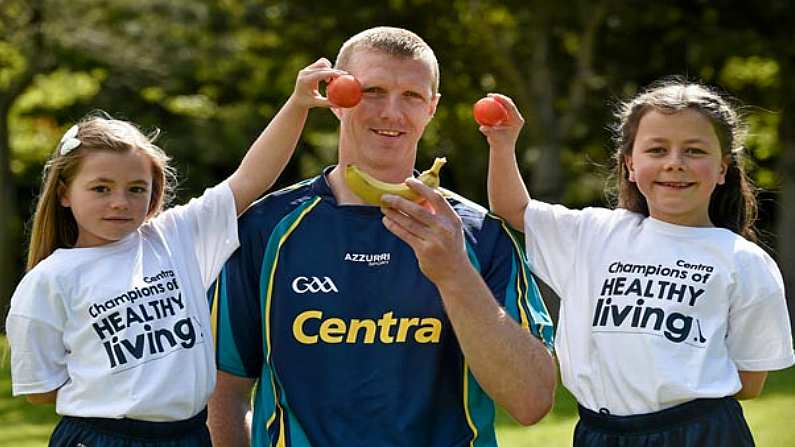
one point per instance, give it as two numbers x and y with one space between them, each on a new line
347 338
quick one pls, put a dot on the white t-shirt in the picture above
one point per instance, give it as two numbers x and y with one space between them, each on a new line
654 314
124 328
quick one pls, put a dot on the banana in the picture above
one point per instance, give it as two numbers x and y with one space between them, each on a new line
370 189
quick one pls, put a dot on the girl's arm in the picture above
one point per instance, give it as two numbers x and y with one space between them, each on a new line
42 398
269 154
508 196
753 382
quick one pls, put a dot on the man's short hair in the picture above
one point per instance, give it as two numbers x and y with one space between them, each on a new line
396 42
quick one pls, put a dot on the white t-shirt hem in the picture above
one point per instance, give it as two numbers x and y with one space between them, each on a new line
19 389
765 365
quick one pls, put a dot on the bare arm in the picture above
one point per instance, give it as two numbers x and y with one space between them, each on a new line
511 365
271 151
42 398
508 194
227 410
753 382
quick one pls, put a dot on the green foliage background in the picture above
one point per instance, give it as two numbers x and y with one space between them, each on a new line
211 73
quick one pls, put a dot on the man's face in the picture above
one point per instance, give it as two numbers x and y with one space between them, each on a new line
381 133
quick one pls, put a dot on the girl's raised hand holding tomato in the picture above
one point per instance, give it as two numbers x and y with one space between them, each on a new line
503 134
307 84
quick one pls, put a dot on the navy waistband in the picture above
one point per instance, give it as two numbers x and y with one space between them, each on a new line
144 429
659 420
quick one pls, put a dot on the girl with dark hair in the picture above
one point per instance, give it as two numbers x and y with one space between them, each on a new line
669 311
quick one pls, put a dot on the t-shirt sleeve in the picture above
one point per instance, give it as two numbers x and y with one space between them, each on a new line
34 327
207 225
236 310
551 242
513 286
759 335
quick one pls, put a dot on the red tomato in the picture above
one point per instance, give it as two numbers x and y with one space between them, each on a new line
489 112
344 91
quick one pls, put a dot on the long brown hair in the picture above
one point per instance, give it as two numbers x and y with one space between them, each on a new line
53 225
733 204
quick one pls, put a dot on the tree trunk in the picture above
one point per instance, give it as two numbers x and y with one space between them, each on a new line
547 179
9 224
11 244
786 203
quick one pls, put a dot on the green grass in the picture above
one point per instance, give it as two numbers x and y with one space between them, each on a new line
768 415
21 424
25 425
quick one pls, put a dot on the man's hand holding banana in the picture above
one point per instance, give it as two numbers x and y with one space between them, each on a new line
432 229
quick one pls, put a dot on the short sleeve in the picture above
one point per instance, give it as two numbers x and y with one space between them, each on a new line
34 327
551 233
38 356
510 281
759 334
208 224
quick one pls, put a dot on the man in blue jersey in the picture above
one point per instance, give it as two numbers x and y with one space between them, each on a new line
393 326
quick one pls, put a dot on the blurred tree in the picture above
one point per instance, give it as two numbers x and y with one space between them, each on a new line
545 53
21 59
786 170
211 73
54 55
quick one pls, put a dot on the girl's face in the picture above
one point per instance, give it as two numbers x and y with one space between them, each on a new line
109 196
676 162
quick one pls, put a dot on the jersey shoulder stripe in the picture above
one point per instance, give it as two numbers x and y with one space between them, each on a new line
277 422
265 213
219 315
270 261
479 410
529 303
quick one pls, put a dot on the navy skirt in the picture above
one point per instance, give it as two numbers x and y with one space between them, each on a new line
698 423
99 432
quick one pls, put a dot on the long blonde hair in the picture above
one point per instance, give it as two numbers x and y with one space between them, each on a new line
53 225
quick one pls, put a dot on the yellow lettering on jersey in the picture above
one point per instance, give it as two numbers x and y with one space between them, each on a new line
429 332
385 323
405 324
298 326
369 331
336 330
332 330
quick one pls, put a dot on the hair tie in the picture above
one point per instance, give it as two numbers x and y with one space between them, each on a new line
69 141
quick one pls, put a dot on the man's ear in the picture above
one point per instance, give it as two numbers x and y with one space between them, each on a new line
630 168
435 103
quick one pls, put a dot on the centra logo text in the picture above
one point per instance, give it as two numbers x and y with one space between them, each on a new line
310 328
